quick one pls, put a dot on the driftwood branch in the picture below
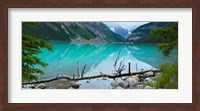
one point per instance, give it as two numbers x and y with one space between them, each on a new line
83 71
90 77
73 76
117 58
120 69
129 68
78 69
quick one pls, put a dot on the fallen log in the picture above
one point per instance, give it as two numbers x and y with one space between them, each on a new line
90 77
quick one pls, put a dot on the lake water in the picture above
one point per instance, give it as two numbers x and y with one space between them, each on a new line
100 58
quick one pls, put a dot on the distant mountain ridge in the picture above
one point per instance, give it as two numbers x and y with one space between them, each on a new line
142 34
117 29
73 31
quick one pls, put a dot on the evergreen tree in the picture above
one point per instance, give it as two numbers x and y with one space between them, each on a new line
30 47
169 35
169 72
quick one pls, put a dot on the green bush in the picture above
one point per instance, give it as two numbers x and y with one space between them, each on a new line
168 79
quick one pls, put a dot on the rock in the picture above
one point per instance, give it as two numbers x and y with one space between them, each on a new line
72 82
139 86
149 80
51 88
114 85
157 74
123 84
141 78
148 87
149 74
133 80
75 86
117 88
28 86
40 86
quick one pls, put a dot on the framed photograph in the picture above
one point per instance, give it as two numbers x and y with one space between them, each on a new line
99 55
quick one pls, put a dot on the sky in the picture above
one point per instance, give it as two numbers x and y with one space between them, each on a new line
129 25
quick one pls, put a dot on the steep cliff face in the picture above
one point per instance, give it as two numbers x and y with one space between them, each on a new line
142 34
73 31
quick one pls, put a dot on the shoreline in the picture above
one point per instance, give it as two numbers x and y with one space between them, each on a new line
52 41
129 82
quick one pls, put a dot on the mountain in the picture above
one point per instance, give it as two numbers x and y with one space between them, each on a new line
117 29
72 31
132 29
142 34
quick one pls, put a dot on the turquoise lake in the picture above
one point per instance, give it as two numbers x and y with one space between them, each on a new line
100 58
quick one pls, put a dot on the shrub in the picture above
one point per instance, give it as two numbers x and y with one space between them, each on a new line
168 79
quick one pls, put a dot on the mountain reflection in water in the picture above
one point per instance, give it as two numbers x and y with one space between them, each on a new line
100 58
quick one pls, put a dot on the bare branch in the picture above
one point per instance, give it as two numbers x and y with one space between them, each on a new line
117 58
78 69
83 70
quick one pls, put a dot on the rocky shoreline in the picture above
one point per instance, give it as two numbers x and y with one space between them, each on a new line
129 82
